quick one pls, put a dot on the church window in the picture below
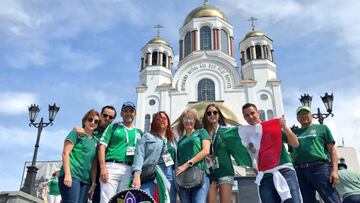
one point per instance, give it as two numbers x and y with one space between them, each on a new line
152 102
164 60
262 115
206 90
205 38
187 44
248 56
263 97
270 114
147 123
154 58
224 42
258 51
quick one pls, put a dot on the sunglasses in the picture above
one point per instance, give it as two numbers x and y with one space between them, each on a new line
91 120
188 119
209 113
108 117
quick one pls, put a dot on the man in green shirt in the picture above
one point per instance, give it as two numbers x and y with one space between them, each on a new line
116 152
349 184
314 171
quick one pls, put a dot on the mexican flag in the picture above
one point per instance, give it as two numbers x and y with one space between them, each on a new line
263 143
162 188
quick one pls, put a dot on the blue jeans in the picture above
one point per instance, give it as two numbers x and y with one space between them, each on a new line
352 199
77 193
269 194
169 172
316 178
195 196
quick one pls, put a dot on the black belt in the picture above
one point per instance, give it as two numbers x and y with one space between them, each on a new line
119 162
311 164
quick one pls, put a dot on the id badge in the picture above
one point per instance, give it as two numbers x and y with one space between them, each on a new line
211 161
167 159
130 151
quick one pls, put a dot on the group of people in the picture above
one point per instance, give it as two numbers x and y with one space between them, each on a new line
102 157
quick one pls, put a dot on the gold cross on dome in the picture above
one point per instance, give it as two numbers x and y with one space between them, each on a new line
158 27
205 2
252 19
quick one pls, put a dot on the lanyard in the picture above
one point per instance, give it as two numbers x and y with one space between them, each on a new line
127 135
165 147
214 141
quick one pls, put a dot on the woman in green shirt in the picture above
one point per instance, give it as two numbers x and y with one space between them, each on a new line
219 160
79 159
193 147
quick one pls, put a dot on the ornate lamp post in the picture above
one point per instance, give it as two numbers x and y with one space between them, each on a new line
327 99
32 170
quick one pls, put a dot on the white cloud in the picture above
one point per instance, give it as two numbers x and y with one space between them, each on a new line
16 102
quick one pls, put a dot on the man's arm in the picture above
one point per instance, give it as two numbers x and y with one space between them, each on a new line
334 178
292 139
103 170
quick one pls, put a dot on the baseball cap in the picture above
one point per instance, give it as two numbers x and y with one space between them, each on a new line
128 104
303 108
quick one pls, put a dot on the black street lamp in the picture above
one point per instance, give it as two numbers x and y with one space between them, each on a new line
327 99
32 170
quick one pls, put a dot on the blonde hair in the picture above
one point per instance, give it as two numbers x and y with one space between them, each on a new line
181 127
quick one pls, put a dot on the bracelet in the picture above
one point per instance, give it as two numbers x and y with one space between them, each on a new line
94 184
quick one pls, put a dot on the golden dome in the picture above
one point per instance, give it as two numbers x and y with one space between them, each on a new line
254 33
205 11
201 106
158 40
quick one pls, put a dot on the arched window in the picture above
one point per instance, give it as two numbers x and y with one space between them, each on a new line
270 114
262 115
205 38
154 58
187 44
224 42
164 57
147 123
258 51
206 90
248 56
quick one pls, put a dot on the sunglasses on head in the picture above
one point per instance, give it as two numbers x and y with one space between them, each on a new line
209 113
108 116
92 120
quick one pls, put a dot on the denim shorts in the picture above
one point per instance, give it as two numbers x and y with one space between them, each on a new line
224 180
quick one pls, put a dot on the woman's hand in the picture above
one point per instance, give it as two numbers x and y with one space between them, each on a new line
91 191
182 168
67 181
136 183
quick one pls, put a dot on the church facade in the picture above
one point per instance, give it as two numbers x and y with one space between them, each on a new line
208 71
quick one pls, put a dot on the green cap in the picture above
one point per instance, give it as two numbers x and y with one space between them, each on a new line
303 108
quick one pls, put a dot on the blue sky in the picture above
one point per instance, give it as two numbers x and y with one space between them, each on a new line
86 54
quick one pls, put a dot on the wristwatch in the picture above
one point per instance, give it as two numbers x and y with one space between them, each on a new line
190 163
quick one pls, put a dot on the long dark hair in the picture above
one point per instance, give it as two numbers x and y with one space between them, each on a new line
205 122
155 129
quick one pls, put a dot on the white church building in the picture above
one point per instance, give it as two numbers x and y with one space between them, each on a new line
208 71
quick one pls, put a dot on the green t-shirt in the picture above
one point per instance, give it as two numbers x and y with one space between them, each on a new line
312 144
53 185
118 141
99 131
190 145
223 156
81 156
168 149
349 183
